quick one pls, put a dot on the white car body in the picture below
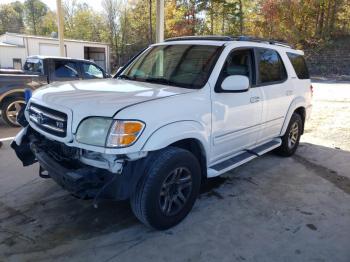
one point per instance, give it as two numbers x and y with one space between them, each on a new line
172 117
223 123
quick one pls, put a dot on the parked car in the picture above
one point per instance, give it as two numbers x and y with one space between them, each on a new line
39 71
182 111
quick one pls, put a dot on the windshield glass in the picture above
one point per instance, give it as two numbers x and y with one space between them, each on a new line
186 66
34 65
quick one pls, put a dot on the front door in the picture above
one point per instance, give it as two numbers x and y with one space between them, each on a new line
236 117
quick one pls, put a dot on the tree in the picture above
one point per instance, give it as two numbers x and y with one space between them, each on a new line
11 18
34 11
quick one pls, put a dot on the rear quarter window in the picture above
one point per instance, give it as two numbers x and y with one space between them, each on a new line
299 65
271 68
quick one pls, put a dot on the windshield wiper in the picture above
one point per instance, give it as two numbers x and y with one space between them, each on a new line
126 77
160 80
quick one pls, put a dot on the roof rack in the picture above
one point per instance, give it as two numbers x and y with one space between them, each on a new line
203 38
260 40
230 38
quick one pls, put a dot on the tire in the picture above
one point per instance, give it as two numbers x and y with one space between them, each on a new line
291 138
150 201
10 108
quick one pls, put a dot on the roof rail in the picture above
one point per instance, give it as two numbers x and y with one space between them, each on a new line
260 40
203 38
230 38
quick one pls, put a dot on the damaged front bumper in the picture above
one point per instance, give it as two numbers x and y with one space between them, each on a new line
81 173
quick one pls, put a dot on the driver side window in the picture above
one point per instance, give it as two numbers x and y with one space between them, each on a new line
238 62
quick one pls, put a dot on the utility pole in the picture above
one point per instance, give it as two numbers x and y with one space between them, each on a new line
160 21
60 27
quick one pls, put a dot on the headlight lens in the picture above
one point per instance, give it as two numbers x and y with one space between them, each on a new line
94 130
124 133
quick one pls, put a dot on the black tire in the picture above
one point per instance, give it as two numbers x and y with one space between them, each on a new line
289 145
10 104
146 201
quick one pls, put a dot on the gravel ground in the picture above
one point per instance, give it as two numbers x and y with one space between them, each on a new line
271 209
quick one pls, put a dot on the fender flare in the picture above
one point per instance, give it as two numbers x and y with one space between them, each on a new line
296 103
176 131
11 92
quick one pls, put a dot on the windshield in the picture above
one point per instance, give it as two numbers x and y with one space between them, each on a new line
34 65
186 66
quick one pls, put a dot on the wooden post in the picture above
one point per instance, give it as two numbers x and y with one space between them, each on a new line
60 26
160 21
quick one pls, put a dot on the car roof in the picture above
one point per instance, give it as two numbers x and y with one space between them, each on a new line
58 57
232 41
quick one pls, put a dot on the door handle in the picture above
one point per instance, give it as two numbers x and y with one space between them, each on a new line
254 99
289 92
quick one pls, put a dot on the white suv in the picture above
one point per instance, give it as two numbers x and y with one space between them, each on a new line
179 112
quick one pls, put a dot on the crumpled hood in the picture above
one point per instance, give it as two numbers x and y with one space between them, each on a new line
101 97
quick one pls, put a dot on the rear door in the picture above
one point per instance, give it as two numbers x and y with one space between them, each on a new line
276 89
236 116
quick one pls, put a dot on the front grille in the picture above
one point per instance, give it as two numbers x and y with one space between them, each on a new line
48 120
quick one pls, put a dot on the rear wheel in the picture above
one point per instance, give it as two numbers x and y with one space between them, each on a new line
168 189
291 138
10 109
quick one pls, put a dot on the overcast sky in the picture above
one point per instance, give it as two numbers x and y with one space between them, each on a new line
96 4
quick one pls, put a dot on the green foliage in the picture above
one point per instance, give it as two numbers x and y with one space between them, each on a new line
34 11
11 18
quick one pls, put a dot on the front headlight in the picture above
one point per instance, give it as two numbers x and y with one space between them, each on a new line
94 130
99 131
124 133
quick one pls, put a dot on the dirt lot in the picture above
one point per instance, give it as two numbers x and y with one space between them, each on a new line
271 209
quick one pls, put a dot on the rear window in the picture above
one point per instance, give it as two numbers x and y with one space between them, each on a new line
299 65
34 65
271 68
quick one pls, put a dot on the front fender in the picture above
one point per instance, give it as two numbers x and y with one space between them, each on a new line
296 103
176 131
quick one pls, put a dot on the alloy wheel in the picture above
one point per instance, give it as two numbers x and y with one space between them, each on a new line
293 135
12 111
175 191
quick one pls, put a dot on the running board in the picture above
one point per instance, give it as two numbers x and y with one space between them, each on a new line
242 158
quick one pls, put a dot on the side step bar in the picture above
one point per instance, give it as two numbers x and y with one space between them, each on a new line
242 158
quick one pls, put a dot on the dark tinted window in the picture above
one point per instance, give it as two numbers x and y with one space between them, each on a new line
299 65
271 68
65 69
238 63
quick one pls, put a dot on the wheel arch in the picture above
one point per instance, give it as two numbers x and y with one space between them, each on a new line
297 106
10 94
189 135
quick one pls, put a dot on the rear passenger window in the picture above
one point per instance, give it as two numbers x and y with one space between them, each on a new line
299 65
271 68
65 69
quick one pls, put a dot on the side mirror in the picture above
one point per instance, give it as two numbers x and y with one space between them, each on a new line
235 83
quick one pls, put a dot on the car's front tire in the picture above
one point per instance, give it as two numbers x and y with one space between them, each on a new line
290 140
168 188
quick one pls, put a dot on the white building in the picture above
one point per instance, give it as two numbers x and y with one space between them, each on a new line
15 48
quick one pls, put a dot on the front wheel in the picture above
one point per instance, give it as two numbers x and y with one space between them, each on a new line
291 138
168 189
